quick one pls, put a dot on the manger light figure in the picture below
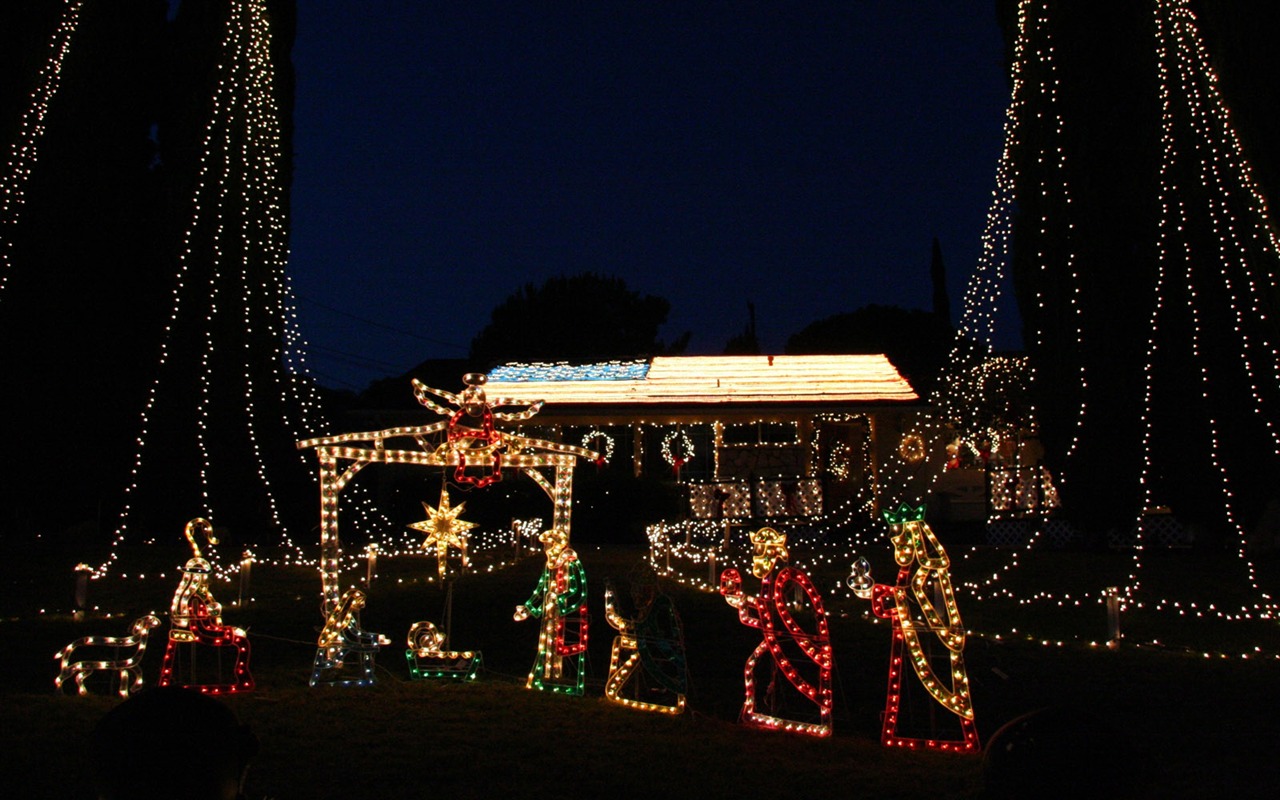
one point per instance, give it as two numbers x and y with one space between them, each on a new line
125 663
428 657
653 644
195 628
466 441
922 608
797 642
560 601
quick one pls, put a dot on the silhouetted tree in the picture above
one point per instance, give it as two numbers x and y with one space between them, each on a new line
745 343
917 342
580 318
938 274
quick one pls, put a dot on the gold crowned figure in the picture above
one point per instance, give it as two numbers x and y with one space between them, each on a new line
927 634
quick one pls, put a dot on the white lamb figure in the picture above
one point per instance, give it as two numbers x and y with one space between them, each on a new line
127 663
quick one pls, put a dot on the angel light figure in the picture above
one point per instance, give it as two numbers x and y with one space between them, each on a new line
926 625
479 444
789 612
560 600
653 641
195 622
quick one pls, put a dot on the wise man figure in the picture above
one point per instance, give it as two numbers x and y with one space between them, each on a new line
927 634
560 601
796 642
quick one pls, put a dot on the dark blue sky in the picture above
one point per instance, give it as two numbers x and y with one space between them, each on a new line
801 156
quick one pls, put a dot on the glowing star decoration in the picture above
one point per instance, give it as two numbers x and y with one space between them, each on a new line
124 663
789 612
919 629
195 624
560 601
345 652
444 530
447 443
428 658
653 641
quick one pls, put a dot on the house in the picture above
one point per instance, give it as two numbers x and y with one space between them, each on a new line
752 437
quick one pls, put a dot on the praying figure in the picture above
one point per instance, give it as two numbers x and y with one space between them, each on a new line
345 651
789 613
653 641
560 601
927 633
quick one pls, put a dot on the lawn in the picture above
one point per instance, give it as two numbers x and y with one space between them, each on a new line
1190 725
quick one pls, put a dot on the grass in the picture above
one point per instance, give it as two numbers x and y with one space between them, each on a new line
1194 726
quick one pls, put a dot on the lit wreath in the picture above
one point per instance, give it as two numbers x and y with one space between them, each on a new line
686 446
912 448
594 434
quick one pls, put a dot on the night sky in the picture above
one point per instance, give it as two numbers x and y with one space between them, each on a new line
800 157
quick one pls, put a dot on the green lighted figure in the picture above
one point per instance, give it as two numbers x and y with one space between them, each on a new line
560 600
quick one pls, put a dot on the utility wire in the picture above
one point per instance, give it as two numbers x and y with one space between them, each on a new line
376 324
350 358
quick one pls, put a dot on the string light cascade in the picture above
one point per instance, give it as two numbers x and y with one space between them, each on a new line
231 277
977 383
1236 213
962 387
25 151
1205 185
